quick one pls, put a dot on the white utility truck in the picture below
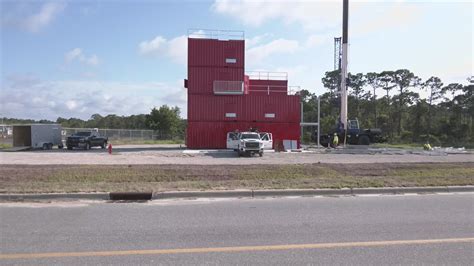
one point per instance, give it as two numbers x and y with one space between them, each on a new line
249 143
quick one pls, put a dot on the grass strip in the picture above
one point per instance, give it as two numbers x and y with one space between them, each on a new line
95 178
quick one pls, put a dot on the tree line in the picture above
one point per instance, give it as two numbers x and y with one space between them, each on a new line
165 120
391 100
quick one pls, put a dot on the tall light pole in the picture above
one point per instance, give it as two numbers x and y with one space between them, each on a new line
344 72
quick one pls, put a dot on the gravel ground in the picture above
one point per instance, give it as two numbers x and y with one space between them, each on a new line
173 154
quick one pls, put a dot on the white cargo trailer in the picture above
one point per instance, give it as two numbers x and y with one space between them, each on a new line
43 136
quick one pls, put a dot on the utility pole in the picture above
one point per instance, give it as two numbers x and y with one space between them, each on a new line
344 72
319 119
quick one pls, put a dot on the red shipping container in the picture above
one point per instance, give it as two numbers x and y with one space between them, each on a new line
264 104
201 79
276 107
273 108
215 108
213 134
216 53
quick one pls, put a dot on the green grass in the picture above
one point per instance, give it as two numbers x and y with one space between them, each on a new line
92 178
5 145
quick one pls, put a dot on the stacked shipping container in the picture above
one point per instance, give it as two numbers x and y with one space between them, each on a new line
262 104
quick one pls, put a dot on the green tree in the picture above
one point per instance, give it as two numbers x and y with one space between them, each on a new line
434 85
165 120
357 83
404 79
387 82
373 79
331 81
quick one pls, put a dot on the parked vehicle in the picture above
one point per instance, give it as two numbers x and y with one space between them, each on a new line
37 136
355 135
86 140
233 140
247 143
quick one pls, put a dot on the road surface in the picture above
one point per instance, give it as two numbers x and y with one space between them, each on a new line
364 230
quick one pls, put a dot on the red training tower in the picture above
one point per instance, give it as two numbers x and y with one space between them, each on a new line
223 98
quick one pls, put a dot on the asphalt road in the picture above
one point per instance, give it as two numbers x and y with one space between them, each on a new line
375 230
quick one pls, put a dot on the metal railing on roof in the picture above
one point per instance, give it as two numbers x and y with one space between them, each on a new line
265 75
273 89
216 34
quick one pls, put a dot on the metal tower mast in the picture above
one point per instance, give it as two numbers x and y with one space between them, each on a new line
344 72
337 53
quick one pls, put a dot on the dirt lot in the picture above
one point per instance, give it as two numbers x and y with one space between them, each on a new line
173 154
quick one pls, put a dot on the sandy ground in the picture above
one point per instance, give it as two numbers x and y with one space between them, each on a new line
173 154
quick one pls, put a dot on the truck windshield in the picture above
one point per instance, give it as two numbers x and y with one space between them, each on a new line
82 134
250 136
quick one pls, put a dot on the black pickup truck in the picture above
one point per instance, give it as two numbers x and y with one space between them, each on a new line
86 140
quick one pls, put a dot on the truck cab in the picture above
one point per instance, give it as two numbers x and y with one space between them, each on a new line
249 143
86 140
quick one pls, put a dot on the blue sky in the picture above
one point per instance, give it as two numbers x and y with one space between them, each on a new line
77 58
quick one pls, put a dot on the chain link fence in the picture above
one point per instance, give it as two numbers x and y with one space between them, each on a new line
6 136
117 134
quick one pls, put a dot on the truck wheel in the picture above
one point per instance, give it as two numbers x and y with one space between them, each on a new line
364 140
50 146
45 146
87 147
260 154
103 145
69 147
60 146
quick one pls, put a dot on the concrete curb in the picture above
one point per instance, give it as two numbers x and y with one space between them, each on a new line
203 194
242 193
51 196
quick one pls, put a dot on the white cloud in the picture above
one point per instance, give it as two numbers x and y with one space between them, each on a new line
152 47
76 54
93 60
310 14
387 16
73 54
318 39
176 48
256 54
71 105
41 19
365 16
75 98
25 17
250 42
